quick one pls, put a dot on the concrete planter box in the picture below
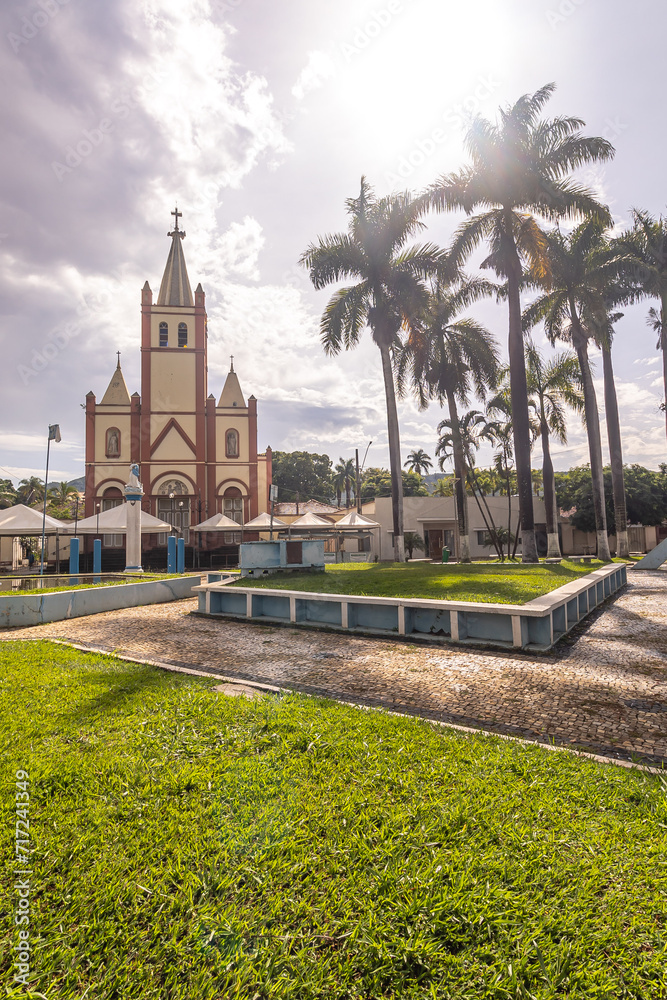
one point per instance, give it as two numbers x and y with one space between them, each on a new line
534 626
36 609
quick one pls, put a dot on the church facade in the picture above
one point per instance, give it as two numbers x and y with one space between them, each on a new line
197 456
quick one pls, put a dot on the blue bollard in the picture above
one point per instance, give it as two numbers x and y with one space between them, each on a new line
97 557
180 556
74 556
171 554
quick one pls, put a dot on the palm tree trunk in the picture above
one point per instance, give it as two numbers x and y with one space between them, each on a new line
550 505
460 484
519 390
509 510
616 454
663 345
394 454
593 433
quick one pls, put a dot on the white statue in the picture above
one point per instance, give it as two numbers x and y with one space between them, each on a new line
134 476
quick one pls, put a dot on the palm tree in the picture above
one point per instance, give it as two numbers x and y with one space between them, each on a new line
60 494
445 359
520 167
641 254
499 430
388 297
419 462
553 385
30 490
463 436
578 275
602 331
345 473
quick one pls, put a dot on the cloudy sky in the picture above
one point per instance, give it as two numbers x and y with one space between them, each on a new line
259 118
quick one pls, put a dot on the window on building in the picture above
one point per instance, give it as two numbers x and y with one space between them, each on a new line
232 444
484 538
232 506
164 335
182 335
113 443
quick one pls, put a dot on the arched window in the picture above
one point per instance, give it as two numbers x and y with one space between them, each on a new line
112 449
164 335
173 505
182 335
112 497
232 443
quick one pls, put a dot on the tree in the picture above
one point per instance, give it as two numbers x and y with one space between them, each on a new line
413 540
344 475
472 430
60 494
302 472
377 483
30 490
641 255
553 385
445 358
387 298
500 433
602 329
8 495
419 462
445 487
520 167
578 273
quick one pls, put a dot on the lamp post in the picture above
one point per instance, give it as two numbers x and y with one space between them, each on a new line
97 506
54 435
359 471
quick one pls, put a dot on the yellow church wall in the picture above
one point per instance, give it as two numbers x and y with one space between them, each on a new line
172 381
187 421
238 421
262 485
173 448
119 472
105 420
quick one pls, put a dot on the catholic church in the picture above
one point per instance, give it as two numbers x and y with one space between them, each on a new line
197 456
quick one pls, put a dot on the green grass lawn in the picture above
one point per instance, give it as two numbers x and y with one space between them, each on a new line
194 847
489 582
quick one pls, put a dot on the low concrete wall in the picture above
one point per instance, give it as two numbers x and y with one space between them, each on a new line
35 608
534 626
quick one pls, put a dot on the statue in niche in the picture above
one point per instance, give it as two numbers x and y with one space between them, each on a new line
232 444
113 442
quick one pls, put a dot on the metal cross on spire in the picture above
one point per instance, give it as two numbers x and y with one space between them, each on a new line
177 215
231 358
118 355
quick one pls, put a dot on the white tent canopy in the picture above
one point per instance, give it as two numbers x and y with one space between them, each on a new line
357 522
310 521
219 522
114 522
263 523
22 520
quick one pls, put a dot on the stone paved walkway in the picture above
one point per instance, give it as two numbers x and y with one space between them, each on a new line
604 689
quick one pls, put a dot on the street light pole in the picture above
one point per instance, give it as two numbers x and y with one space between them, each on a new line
54 435
359 471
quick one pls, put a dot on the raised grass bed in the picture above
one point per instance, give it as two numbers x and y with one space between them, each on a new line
535 625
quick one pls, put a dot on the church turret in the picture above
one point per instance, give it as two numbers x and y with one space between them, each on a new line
175 288
116 394
231 393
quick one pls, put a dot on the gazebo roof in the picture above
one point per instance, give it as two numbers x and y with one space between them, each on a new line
22 520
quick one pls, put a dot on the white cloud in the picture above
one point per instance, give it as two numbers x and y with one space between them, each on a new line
319 68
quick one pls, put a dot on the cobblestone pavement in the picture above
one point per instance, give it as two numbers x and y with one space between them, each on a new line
604 689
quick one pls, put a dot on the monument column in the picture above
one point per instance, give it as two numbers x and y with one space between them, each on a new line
133 494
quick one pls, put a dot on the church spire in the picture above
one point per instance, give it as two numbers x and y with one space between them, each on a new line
116 394
175 288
